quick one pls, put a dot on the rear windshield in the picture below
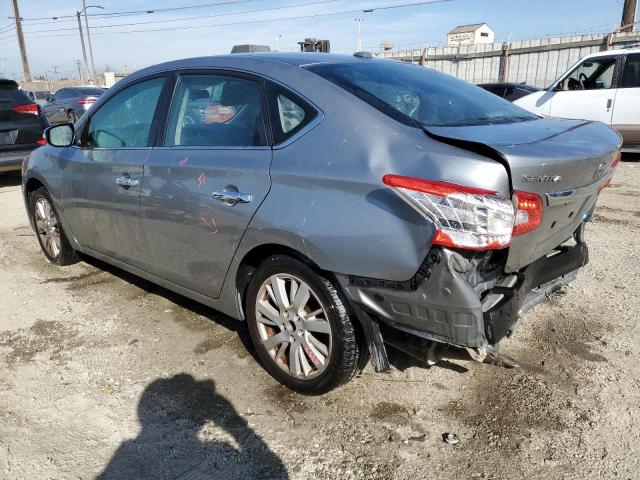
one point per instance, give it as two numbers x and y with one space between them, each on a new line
414 94
10 93
91 92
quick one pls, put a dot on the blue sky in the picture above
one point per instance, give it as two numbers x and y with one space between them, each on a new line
418 25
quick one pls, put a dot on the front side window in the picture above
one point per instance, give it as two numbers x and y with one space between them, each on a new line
631 72
125 119
593 74
216 111
416 95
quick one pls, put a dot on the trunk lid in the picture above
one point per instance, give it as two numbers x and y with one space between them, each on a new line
565 162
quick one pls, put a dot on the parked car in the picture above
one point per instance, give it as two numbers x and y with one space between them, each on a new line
21 126
603 86
69 103
41 97
344 202
509 91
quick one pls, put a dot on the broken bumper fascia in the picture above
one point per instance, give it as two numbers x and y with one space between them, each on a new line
447 301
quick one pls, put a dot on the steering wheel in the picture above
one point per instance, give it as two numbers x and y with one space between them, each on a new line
582 78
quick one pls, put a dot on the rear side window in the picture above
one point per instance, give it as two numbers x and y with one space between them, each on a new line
631 72
289 113
216 111
9 93
125 119
416 95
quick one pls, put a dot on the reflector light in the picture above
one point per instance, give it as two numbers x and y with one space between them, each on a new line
31 108
616 160
465 217
528 212
42 141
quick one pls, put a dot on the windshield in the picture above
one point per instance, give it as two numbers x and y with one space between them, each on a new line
411 94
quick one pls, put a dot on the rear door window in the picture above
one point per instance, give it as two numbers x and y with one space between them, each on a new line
289 113
631 73
125 119
217 111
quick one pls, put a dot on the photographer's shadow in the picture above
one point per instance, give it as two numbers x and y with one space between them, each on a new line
174 413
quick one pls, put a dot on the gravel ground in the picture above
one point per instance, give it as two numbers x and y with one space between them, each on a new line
105 375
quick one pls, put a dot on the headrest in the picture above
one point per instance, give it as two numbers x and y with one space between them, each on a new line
198 94
238 93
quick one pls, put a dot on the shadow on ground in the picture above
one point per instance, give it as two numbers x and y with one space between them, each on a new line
10 179
189 431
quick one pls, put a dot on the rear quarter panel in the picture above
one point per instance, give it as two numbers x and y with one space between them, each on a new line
328 201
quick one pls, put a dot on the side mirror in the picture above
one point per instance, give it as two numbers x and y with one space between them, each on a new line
60 135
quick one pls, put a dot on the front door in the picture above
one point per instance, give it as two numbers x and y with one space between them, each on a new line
206 178
103 178
625 116
588 92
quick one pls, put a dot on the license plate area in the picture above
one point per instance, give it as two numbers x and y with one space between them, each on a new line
8 137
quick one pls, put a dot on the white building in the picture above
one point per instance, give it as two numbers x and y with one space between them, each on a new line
470 35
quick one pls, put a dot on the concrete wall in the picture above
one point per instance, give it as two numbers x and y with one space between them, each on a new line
537 62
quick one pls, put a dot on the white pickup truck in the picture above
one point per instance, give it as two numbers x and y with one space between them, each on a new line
603 86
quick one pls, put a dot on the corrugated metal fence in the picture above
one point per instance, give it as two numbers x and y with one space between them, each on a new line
537 62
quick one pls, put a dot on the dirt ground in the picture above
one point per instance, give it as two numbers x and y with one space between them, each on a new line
105 375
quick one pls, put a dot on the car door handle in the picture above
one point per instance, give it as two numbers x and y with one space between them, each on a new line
609 103
232 198
127 181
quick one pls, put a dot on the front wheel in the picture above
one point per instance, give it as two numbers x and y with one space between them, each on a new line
300 326
51 236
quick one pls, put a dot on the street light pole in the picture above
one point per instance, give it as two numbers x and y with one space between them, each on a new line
84 50
86 24
359 22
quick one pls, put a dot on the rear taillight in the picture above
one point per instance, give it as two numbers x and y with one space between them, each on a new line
528 212
465 217
86 101
31 108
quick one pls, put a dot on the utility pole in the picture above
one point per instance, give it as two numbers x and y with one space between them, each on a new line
86 24
628 16
80 74
23 49
278 37
84 50
359 22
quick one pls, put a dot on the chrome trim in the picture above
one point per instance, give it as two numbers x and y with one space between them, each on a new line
232 198
575 194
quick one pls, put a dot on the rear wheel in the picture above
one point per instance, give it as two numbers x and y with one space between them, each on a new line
300 327
51 236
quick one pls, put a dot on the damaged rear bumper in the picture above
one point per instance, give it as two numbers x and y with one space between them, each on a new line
463 300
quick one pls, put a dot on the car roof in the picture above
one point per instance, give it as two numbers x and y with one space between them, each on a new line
607 53
238 60
8 82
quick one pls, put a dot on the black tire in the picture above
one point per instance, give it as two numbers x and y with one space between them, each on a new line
72 117
344 358
66 255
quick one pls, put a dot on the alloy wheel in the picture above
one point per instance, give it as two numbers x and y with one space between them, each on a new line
47 227
293 326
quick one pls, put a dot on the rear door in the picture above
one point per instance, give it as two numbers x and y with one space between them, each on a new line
625 114
206 178
102 179
588 92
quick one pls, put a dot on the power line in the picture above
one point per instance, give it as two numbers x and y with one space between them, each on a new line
281 7
246 22
147 11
